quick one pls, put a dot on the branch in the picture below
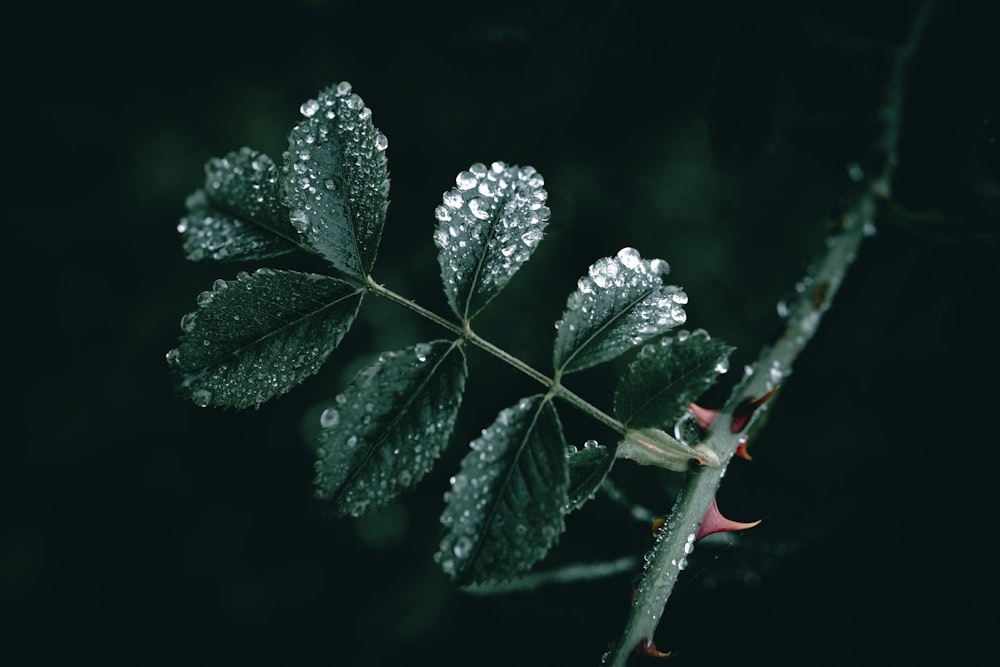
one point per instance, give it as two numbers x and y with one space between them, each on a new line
733 425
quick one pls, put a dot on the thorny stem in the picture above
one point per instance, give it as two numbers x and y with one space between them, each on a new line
814 295
553 385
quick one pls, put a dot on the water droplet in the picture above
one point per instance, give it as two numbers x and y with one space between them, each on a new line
855 172
329 418
686 429
466 180
480 208
532 236
343 88
309 107
381 142
629 257
205 298
590 444
722 365
462 547
201 397
422 350
188 321
659 266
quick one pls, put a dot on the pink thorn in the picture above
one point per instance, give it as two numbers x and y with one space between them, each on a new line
704 416
741 448
648 647
744 411
714 522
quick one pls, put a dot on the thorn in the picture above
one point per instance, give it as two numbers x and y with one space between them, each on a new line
741 449
657 524
648 647
744 411
714 522
704 416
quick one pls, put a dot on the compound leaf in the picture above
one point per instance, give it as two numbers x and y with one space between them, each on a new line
506 504
666 377
240 213
488 226
587 469
621 303
258 336
389 427
336 180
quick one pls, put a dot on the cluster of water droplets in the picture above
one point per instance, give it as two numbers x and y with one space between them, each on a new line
523 524
335 178
381 436
239 187
238 348
488 225
624 297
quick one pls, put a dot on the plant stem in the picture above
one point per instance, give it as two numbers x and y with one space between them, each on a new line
814 295
553 385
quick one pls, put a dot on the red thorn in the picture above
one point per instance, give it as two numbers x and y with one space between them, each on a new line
744 411
704 416
741 449
657 524
648 647
714 522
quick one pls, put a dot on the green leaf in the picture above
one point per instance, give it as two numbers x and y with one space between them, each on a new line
336 180
666 377
239 215
505 507
488 226
390 426
621 303
258 336
587 469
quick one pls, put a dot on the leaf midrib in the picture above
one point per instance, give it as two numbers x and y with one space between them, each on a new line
494 506
607 325
370 451
288 325
474 283
665 389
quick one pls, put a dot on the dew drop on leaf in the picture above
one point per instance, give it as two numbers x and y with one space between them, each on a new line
329 418
309 107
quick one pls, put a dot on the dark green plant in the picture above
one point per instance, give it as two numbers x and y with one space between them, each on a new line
258 336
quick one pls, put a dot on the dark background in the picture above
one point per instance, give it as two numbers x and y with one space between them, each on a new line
140 529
